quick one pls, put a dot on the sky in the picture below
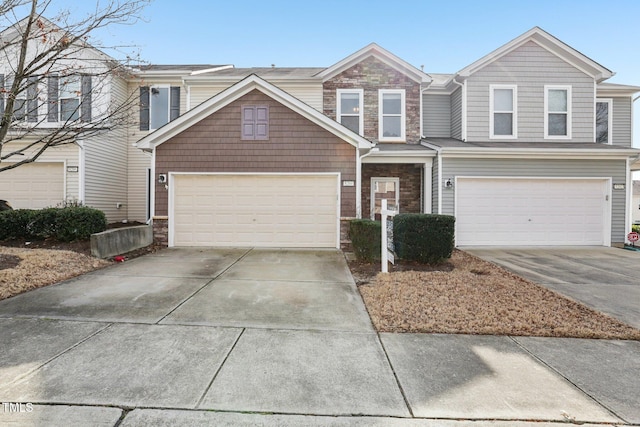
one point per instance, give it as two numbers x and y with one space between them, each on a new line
443 36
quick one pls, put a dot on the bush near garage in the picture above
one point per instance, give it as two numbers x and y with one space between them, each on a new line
365 236
636 228
426 238
64 224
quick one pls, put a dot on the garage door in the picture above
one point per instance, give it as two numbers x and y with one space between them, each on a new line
33 186
532 212
254 210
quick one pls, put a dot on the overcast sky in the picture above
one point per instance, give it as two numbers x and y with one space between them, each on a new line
441 35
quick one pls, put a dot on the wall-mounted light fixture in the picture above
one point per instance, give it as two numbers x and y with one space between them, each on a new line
162 178
448 183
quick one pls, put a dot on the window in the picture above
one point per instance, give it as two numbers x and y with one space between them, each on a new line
26 102
503 120
384 188
255 122
557 112
158 106
391 123
349 109
604 117
69 98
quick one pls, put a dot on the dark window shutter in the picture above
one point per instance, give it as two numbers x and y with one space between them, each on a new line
2 94
174 111
144 108
85 103
32 99
52 96
262 123
248 122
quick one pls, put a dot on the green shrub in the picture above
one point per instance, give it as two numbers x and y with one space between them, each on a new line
65 224
79 223
424 238
14 224
365 236
636 228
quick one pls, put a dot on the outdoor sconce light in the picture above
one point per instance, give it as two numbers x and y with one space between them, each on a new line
162 178
448 183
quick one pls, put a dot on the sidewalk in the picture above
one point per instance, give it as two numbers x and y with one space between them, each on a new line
279 338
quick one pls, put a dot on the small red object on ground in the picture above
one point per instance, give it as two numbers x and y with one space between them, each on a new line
118 258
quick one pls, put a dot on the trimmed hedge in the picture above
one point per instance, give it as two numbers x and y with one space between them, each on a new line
65 224
365 236
636 228
424 238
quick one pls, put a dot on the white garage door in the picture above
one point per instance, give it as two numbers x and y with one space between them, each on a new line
529 212
33 186
254 210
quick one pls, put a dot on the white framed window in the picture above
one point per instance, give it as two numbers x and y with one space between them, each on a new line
69 98
391 115
384 188
503 119
349 109
159 107
604 120
557 112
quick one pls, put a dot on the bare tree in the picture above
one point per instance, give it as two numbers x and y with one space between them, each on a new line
56 83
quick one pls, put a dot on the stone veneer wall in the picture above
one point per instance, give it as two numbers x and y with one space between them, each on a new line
410 185
371 75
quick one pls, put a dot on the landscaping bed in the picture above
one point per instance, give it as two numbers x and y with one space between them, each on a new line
467 295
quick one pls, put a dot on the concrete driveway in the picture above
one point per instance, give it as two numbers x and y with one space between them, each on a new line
607 279
200 337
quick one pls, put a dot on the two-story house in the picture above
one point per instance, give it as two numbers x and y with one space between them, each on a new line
73 102
526 146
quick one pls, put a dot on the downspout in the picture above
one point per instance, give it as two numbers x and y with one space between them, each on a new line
359 180
81 172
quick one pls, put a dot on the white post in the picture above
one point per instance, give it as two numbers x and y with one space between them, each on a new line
383 219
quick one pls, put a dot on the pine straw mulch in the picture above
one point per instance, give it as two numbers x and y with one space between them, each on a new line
23 269
467 295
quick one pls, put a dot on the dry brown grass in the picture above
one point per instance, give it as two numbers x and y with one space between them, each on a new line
41 267
478 297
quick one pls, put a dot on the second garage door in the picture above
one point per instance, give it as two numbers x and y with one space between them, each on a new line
33 186
254 210
530 212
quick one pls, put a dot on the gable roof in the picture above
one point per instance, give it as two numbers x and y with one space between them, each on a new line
227 96
550 43
381 54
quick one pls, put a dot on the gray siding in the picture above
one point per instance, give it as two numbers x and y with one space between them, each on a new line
456 114
434 185
615 169
436 115
530 67
622 112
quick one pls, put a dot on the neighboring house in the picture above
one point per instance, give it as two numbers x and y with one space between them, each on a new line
526 146
635 203
79 90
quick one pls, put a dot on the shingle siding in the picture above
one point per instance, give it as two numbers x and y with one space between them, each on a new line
295 144
615 169
530 67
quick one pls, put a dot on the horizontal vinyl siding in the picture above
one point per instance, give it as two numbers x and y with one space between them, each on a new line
310 94
138 163
622 130
615 169
456 114
435 182
106 167
530 67
436 115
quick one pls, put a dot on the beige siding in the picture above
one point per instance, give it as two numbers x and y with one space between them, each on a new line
622 115
69 155
615 169
309 93
436 115
530 67
105 159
